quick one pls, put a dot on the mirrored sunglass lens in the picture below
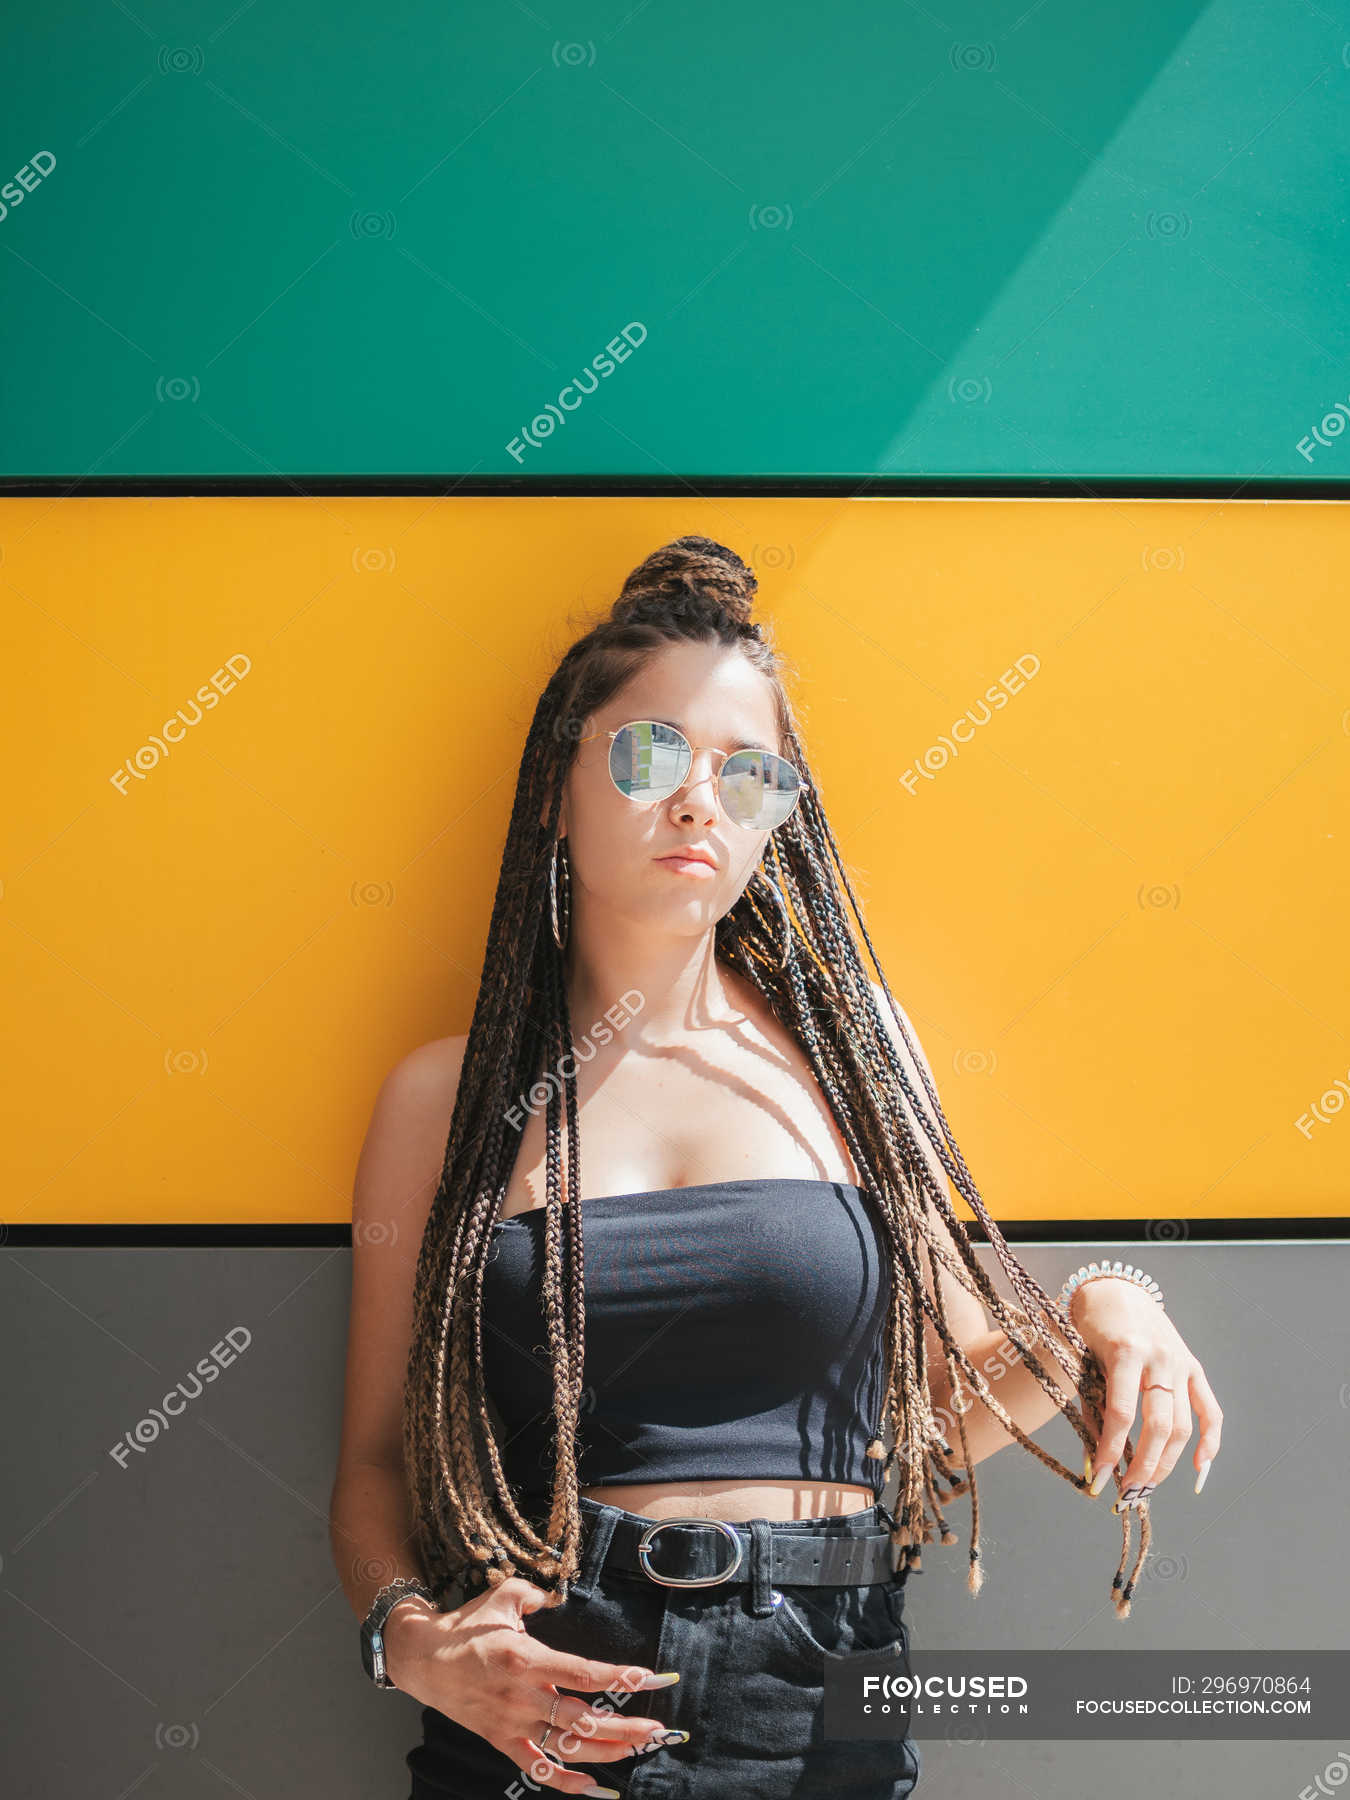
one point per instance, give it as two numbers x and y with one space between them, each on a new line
648 761
759 789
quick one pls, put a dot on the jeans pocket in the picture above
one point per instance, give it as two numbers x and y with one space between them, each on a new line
837 1623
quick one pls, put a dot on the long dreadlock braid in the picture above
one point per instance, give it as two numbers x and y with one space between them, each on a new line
792 939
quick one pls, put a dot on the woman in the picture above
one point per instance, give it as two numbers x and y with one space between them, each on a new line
760 1283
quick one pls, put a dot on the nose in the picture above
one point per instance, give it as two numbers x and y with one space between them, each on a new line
697 799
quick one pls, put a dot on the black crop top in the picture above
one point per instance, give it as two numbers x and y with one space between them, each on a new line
733 1330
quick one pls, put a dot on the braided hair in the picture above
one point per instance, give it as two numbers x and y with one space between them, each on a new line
468 1521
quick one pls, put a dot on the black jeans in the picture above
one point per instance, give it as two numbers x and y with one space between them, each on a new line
750 1693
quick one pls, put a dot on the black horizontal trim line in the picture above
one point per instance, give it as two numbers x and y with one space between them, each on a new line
825 487
1103 1235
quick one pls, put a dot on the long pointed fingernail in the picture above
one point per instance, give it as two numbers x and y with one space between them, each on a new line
1087 1465
600 1793
662 1740
1127 1499
656 1681
1103 1476
1204 1471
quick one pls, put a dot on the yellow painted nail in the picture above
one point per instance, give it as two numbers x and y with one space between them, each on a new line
1103 1476
1087 1465
1204 1471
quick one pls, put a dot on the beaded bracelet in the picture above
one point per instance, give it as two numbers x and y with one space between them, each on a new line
1094 1271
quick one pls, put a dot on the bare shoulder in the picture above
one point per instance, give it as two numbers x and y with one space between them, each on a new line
897 1038
966 1312
430 1073
910 1061
397 1178
401 1158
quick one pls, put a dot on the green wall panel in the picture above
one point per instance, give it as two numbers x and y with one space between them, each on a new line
1010 239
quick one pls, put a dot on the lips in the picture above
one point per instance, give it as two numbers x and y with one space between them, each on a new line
691 854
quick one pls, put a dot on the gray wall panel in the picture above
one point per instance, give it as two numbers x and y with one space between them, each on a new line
176 1628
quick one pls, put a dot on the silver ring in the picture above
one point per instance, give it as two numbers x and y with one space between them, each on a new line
690 1580
543 1736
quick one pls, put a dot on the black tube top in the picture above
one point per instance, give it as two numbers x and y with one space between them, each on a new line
733 1330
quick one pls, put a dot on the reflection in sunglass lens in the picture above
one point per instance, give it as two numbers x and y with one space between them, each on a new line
649 761
758 788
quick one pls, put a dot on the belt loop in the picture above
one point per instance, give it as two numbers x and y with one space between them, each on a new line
761 1567
594 1551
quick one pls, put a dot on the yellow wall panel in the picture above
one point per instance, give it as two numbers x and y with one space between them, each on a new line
1113 900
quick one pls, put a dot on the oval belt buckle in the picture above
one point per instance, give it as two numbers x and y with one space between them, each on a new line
690 1580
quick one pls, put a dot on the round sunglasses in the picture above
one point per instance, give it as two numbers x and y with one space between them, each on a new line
649 760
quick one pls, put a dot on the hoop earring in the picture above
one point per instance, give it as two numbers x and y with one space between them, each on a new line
559 932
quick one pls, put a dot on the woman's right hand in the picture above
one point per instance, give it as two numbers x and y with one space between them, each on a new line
479 1666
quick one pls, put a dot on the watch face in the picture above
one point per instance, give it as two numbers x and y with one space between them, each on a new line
372 1654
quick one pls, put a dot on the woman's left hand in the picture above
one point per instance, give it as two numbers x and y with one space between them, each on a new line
1146 1360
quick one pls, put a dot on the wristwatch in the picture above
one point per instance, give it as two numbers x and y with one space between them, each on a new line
372 1626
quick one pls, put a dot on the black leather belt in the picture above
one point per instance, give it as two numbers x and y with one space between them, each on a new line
699 1552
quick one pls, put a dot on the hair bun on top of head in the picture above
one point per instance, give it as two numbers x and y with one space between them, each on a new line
697 579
